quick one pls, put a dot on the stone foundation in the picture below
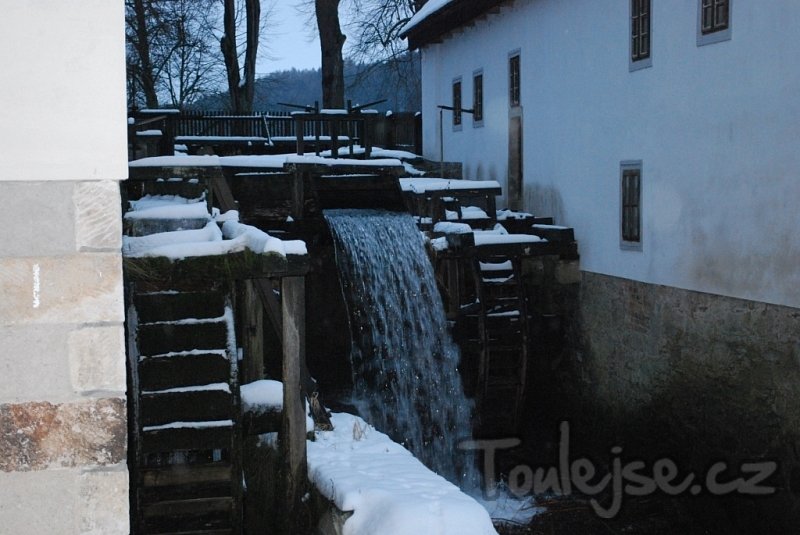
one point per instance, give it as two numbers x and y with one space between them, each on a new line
698 378
63 419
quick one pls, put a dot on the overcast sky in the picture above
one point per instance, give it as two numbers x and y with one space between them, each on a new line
290 42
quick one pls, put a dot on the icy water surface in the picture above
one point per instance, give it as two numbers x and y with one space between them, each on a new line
406 380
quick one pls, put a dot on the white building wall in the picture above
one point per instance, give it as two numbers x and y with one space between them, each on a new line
716 128
63 92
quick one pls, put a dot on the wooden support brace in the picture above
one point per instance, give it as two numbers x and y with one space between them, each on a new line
222 191
271 306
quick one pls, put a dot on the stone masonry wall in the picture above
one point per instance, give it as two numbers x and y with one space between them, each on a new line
63 429
695 377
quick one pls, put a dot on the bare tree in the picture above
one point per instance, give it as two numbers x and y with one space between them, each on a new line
241 84
192 66
331 41
141 18
375 26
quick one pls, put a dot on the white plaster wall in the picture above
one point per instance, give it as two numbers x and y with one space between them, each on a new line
62 96
717 128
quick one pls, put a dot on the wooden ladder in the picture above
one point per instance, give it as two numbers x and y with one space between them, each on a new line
186 408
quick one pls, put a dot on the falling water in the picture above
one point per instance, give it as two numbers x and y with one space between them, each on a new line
406 381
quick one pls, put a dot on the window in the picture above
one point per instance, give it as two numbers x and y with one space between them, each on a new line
513 80
713 21
631 220
477 98
640 35
457 103
714 17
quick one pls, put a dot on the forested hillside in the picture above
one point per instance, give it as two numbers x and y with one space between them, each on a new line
396 81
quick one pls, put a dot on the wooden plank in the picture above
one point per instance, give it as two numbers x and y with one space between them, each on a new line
152 307
187 507
186 474
161 338
263 422
240 265
200 523
209 438
293 429
345 168
173 372
185 491
193 406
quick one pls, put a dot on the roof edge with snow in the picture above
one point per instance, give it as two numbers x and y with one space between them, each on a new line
438 17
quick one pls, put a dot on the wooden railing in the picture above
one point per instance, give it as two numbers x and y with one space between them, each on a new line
401 130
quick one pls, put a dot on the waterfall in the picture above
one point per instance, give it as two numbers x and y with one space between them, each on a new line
405 364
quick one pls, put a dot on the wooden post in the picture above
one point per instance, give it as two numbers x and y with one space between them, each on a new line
253 333
334 135
298 193
293 428
300 132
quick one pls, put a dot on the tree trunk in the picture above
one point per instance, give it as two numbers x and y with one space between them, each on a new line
253 8
331 42
146 76
241 93
229 53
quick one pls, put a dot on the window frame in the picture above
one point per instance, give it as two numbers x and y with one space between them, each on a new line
630 168
636 59
477 99
458 103
718 34
514 89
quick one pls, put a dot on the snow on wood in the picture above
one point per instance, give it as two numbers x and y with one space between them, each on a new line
141 245
467 212
266 161
388 490
189 353
319 160
502 215
167 207
210 241
189 425
452 228
263 395
215 387
378 152
553 227
176 161
423 185
485 238
188 321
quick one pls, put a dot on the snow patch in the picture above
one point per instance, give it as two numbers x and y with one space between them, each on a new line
388 490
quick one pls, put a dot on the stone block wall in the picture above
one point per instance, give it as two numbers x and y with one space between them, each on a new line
695 377
63 425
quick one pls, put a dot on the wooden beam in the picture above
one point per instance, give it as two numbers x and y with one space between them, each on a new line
293 428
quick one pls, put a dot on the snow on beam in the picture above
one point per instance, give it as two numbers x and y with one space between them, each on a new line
387 489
